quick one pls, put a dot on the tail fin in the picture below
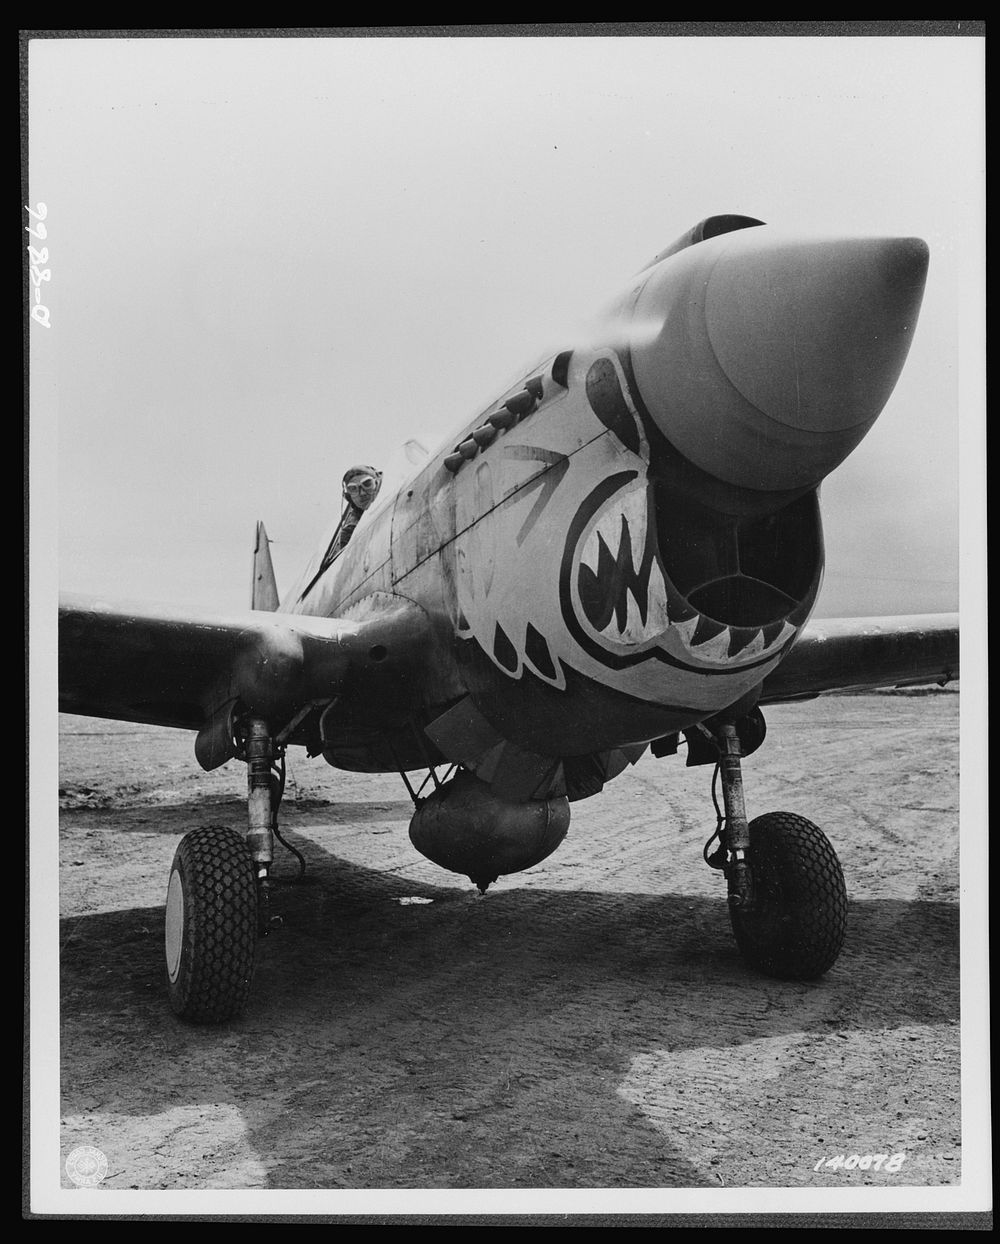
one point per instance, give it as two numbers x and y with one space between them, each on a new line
264 589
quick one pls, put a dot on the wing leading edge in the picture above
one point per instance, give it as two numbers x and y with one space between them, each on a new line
845 653
172 668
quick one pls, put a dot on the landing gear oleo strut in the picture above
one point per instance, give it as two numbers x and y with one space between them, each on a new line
787 896
218 898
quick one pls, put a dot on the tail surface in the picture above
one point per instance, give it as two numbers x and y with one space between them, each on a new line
264 589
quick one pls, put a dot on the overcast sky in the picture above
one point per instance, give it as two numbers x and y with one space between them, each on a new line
273 258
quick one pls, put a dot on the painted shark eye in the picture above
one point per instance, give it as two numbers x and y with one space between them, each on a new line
604 393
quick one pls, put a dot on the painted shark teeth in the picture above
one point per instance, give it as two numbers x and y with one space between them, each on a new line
687 629
624 596
716 648
783 636
639 629
611 530
753 649
622 590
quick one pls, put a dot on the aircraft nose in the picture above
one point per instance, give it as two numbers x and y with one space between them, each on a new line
765 362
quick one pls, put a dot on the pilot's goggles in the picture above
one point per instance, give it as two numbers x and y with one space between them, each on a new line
363 487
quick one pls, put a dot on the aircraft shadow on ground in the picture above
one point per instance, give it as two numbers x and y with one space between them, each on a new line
179 817
410 1015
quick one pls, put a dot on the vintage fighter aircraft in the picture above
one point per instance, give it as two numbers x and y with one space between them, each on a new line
622 549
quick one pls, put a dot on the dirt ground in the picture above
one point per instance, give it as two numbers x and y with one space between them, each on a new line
587 1024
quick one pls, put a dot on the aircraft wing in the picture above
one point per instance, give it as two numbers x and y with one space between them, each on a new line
169 667
845 653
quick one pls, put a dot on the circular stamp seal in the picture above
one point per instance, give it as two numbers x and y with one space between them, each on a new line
86 1166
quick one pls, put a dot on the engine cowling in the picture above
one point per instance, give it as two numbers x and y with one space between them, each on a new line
465 828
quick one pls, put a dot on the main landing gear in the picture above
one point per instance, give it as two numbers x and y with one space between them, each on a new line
787 897
218 897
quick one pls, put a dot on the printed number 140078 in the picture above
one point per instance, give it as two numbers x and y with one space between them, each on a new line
862 1162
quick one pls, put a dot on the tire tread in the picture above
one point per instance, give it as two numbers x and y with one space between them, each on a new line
798 927
219 946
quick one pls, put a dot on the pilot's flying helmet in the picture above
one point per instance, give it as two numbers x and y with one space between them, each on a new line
361 485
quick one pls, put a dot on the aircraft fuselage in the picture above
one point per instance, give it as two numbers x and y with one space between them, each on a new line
628 541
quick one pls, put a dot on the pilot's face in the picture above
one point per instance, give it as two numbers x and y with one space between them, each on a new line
361 490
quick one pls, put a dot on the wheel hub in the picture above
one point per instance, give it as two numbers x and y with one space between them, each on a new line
174 924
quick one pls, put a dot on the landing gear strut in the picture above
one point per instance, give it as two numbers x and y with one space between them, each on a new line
218 898
736 835
787 896
262 813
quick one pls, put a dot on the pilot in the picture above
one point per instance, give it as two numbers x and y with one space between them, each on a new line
360 488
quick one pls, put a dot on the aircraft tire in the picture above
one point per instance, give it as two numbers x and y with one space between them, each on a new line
797 925
211 926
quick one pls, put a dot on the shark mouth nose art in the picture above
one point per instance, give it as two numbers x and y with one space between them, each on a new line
622 592
649 575
625 599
